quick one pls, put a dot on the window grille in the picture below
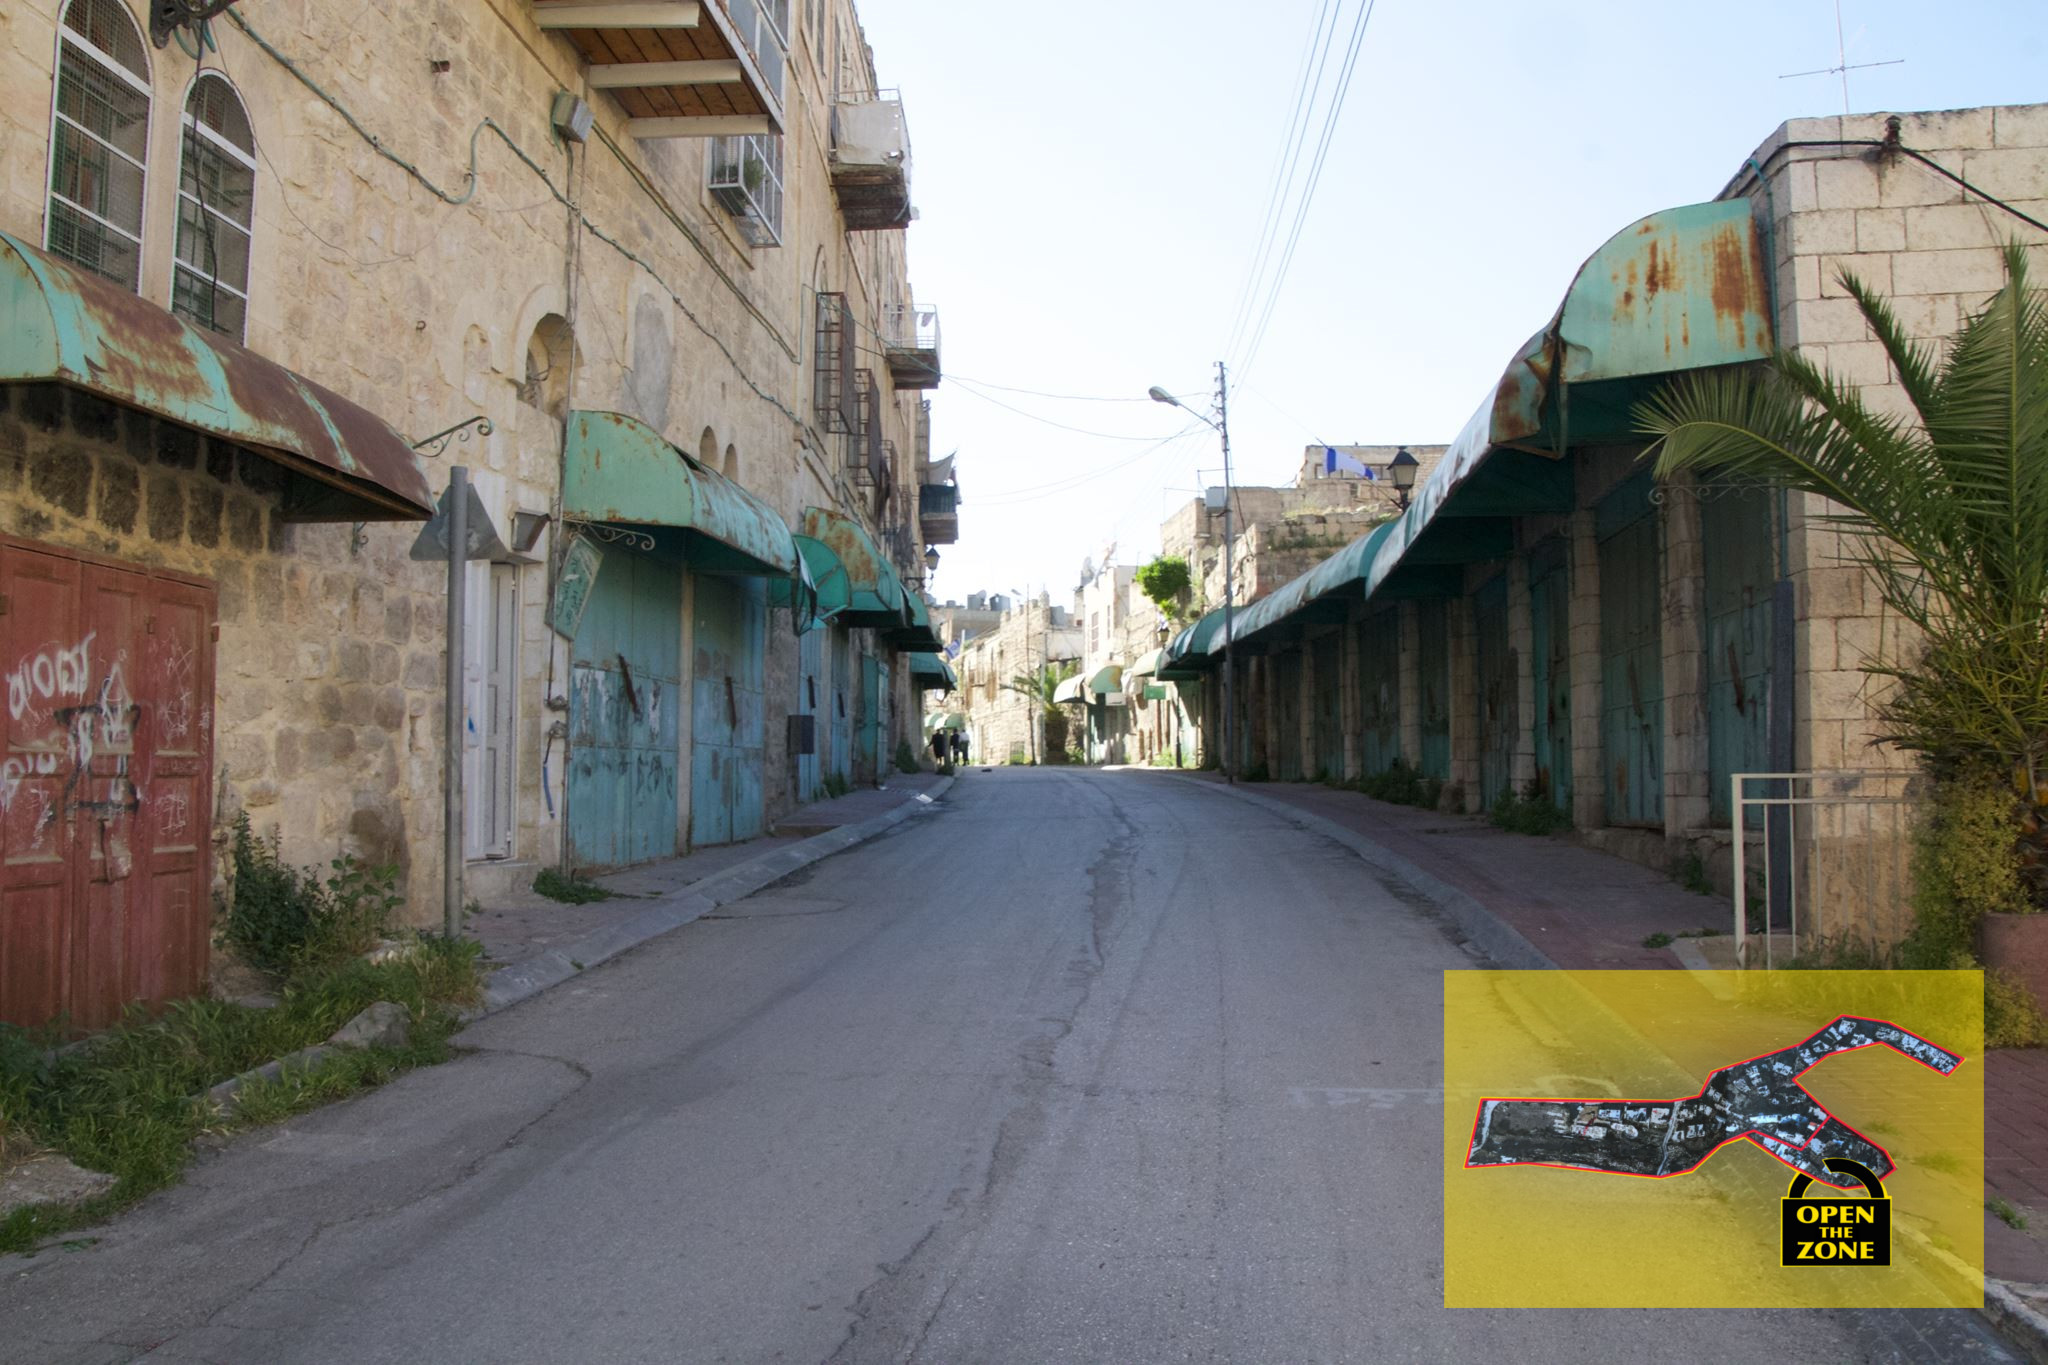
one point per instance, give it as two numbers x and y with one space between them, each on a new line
746 179
216 190
834 396
99 142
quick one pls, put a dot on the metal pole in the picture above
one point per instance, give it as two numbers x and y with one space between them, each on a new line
1229 588
458 568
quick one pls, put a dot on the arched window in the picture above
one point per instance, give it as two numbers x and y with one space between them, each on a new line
216 194
99 142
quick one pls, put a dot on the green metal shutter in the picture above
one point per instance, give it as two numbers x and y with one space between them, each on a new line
1433 668
1631 655
1736 541
1550 664
1379 660
1499 717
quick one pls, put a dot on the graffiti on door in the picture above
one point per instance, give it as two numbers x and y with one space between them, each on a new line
84 714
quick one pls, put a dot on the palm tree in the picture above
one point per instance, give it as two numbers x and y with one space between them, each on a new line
1946 508
1040 685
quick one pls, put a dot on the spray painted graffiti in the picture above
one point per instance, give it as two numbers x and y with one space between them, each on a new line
91 721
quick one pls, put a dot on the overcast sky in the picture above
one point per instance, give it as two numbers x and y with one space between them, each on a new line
1093 181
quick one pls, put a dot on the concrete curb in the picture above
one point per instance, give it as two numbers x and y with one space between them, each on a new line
523 980
2005 1309
2023 1324
1493 936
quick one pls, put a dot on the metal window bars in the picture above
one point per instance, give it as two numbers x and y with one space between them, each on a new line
835 398
746 179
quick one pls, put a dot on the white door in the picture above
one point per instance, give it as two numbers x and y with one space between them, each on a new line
490 671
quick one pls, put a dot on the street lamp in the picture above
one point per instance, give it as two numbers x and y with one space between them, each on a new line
1402 470
1221 426
931 559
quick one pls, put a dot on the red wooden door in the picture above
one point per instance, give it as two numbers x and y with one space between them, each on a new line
104 786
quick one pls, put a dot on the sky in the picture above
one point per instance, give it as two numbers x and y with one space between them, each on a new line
1093 184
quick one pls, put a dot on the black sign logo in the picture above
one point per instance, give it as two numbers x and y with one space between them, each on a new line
1837 1230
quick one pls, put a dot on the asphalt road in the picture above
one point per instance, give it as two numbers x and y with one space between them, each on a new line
1048 1074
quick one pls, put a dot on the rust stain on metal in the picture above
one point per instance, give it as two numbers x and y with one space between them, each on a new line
1736 291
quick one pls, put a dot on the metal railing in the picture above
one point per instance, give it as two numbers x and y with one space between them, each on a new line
1822 859
910 327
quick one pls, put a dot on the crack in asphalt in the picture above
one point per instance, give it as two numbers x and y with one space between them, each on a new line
879 1309
464 1174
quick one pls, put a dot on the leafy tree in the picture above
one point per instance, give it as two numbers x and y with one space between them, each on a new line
1040 686
1945 507
1165 581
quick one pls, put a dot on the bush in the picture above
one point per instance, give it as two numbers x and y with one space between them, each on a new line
282 920
836 785
1530 813
1164 582
1258 772
906 762
2011 1018
1964 868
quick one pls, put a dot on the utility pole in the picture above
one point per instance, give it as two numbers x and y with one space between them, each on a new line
1229 579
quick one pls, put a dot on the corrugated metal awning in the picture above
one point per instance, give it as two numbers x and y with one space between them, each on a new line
916 633
1193 651
930 672
67 326
1108 678
1148 664
875 595
1684 289
621 472
1069 689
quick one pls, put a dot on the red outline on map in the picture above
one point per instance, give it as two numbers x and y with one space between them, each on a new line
1745 1136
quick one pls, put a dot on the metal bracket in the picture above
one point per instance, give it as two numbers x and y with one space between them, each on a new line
611 535
459 432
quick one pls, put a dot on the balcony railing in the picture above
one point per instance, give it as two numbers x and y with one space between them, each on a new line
910 338
682 68
870 160
938 513
746 178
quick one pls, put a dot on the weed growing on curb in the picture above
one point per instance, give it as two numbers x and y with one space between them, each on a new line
132 1100
1657 941
567 889
2007 1214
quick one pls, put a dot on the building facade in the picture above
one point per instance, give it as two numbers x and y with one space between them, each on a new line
1549 622
666 327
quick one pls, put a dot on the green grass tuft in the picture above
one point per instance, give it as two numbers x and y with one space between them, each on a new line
568 889
131 1102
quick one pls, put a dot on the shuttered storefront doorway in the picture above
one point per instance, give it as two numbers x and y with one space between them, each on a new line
1631 655
106 796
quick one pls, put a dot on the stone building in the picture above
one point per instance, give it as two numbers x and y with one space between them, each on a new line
1547 620
669 331
999 723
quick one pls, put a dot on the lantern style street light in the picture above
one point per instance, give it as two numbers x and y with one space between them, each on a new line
1402 470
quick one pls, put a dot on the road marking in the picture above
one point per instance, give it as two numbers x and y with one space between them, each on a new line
1378 1096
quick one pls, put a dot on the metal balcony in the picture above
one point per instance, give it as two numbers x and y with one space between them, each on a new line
910 339
938 513
870 161
689 68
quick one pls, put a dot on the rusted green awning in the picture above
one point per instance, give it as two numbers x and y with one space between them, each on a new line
1685 289
916 633
67 326
830 592
622 473
930 673
875 595
1195 650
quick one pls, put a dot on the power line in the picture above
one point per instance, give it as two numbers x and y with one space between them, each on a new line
1330 120
1040 393
1039 491
1315 54
1034 417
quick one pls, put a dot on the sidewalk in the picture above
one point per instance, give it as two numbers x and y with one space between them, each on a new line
1581 908
531 941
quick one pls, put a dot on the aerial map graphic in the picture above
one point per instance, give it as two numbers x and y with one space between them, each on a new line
1760 1100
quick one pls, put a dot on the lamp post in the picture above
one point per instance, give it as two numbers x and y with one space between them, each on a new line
1402 470
1221 426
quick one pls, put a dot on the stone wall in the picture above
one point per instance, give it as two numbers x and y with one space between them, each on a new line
460 284
327 680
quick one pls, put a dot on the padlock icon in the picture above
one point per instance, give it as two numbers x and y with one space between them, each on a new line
1837 1229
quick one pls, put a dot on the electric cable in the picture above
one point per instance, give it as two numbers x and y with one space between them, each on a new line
1315 54
1330 121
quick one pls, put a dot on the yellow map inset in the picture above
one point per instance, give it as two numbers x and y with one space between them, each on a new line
1543 1237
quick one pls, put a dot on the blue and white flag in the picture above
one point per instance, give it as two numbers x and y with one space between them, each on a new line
1336 462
